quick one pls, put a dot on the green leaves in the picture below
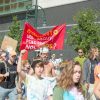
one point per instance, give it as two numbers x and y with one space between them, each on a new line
15 31
87 32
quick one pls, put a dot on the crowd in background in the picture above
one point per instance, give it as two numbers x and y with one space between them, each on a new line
50 79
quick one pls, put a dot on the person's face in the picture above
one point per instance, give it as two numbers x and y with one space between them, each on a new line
80 52
77 73
31 71
27 66
96 52
38 70
12 58
44 56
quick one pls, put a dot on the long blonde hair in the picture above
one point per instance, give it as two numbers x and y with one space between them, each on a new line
66 78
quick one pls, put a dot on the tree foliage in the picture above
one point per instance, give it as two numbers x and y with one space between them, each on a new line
15 31
87 32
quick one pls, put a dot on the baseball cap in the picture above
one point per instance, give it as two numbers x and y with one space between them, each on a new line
44 50
12 53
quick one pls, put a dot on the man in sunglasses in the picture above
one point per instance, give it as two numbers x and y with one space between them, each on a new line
80 58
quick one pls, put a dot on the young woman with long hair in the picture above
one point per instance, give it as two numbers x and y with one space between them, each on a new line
68 85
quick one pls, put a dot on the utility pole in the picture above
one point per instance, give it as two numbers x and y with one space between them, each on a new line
33 12
36 14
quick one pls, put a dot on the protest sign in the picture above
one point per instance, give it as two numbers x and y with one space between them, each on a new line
9 44
32 39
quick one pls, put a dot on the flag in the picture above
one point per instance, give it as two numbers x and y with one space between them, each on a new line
32 39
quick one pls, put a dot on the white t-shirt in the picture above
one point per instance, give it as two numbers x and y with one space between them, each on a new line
37 89
52 81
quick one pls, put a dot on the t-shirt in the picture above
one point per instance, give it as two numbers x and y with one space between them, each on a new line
58 93
67 96
9 83
80 60
93 64
73 94
37 89
52 81
96 73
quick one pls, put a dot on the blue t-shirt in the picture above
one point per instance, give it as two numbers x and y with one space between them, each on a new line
68 96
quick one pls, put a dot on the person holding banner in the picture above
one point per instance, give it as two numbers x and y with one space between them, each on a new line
38 88
21 87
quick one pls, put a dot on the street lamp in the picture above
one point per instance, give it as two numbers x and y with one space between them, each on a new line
33 12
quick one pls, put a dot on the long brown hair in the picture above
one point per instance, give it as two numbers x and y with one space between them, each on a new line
66 78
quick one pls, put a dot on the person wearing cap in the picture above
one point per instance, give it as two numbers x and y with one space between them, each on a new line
8 71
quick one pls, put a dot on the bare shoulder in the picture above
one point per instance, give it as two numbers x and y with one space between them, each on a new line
51 64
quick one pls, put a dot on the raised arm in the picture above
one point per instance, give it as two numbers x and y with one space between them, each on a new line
19 66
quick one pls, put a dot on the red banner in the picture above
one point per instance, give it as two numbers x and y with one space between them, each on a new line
32 39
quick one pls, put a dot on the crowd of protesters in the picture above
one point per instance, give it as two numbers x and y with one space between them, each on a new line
50 79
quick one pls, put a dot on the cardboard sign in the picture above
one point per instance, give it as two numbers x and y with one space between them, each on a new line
9 44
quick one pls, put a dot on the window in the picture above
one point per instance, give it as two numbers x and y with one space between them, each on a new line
1 9
1 2
7 8
21 4
13 6
7 1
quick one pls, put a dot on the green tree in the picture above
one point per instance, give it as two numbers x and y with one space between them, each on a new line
15 31
87 32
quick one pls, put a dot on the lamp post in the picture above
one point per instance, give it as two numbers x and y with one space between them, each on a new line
33 12
36 14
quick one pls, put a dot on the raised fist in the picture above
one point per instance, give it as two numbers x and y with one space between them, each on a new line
23 51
